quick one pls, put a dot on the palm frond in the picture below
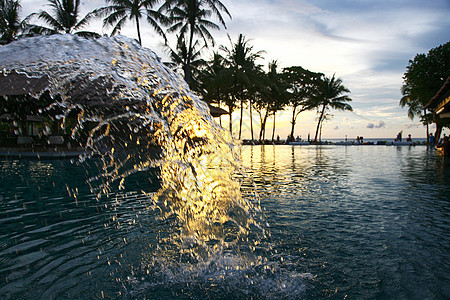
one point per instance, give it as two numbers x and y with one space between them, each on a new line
118 26
84 21
87 34
50 20
115 17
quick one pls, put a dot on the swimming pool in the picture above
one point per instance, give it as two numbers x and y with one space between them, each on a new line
342 221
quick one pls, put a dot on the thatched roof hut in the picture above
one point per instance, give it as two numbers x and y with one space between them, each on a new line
216 111
111 93
16 84
440 103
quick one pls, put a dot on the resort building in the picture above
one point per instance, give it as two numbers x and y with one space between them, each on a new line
440 103
27 124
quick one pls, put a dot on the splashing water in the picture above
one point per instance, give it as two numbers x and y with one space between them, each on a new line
203 229
138 115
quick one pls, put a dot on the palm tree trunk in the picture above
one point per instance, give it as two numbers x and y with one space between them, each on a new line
428 129
230 113
138 30
187 72
320 132
251 119
273 129
264 125
231 121
293 124
261 120
318 123
242 116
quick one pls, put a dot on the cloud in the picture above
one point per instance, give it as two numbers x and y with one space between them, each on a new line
380 124
366 43
410 126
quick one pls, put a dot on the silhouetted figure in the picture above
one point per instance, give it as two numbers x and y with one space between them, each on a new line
431 140
444 143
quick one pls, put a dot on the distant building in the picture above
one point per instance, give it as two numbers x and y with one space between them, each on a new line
25 121
440 103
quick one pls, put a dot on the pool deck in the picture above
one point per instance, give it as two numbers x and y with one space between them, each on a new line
341 143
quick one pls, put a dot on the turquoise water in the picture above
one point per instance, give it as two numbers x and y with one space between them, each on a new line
356 222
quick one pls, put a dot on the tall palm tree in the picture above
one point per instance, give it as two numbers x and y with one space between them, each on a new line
277 96
330 95
243 71
190 18
117 12
65 18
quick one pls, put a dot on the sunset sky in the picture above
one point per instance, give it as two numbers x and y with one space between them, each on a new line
366 43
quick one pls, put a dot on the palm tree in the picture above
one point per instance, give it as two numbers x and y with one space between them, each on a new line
243 72
278 95
190 18
264 97
179 58
330 95
11 28
212 82
10 25
118 11
65 18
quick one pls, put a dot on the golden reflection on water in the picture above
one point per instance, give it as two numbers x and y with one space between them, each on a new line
198 186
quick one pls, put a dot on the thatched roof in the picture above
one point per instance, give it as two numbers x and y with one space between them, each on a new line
440 103
14 84
216 111
96 91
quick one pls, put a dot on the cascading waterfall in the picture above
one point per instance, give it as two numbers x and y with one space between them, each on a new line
137 115
131 113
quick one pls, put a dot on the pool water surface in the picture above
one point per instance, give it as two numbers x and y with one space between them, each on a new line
354 222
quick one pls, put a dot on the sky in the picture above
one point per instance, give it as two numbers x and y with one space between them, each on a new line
366 43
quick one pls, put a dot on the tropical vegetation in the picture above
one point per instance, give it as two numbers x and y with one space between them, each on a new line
10 23
65 18
233 76
424 76
190 18
329 94
11 26
117 12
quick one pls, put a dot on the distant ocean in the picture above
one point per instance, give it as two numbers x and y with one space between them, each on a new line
374 140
